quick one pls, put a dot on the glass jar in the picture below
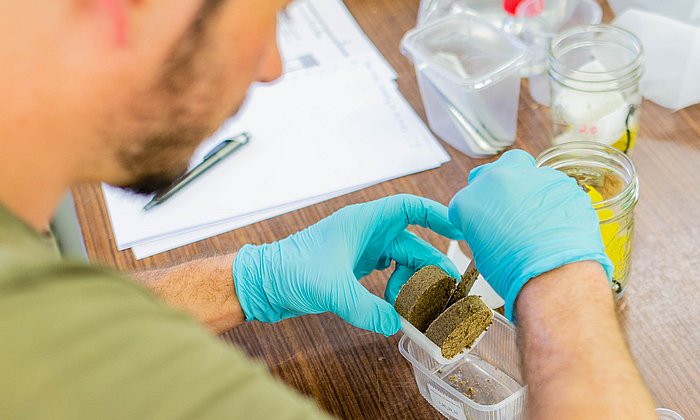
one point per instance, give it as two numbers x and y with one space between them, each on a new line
540 22
609 178
594 73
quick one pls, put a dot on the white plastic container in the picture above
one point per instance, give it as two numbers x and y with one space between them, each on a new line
485 383
467 72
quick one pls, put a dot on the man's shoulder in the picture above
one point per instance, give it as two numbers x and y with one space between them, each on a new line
52 296
81 342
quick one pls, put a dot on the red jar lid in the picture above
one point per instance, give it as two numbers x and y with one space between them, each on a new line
534 8
510 6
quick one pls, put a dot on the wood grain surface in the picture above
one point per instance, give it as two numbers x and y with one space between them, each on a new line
356 374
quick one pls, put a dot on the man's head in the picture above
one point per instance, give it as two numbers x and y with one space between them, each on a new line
131 87
202 81
226 45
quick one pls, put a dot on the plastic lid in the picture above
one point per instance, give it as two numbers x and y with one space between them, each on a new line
510 6
464 49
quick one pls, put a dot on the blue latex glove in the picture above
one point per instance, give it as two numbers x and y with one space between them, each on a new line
317 270
521 221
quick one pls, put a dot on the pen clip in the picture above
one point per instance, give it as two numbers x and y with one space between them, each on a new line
241 138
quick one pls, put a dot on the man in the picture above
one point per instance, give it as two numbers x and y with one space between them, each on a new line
123 91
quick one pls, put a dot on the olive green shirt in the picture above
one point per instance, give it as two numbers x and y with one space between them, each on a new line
78 342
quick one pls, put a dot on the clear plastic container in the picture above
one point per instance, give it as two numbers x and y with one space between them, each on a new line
467 73
485 383
539 22
489 10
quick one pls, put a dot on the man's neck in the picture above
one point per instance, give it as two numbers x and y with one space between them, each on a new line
35 206
48 141
35 178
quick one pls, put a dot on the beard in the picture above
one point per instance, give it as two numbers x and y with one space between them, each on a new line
156 166
163 156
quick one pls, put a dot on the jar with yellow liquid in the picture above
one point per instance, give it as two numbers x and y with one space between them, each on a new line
609 178
594 72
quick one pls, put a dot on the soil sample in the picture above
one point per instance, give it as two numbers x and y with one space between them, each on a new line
465 285
424 296
460 325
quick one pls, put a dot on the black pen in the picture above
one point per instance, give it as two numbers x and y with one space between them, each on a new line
215 156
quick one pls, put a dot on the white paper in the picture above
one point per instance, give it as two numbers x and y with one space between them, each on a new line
318 33
445 404
335 132
148 249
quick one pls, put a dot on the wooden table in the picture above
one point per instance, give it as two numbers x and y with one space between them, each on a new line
356 374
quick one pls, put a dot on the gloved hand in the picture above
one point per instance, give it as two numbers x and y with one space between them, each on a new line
317 270
521 221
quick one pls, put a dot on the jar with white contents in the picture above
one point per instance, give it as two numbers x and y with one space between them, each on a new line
595 72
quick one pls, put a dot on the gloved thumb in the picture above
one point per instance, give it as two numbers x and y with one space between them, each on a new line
461 209
398 278
360 308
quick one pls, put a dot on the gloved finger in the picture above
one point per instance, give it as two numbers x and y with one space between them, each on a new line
409 250
398 278
358 307
406 209
413 253
512 158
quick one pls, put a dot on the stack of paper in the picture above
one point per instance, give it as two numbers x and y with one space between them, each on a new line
334 124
